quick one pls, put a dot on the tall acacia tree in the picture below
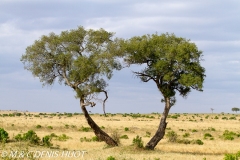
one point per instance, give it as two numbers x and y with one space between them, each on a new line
173 63
81 59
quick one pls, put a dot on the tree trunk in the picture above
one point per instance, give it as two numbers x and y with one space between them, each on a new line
162 126
96 129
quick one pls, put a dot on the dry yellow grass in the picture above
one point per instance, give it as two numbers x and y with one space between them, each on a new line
211 149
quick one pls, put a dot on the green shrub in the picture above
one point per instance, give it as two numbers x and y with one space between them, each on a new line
126 129
194 130
234 118
174 116
46 140
95 139
32 137
216 117
66 126
211 129
84 139
234 156
198 141
110 158
148 134
183 141
18 137
137 142
50 127
228 135
85 129
3 135
186 135
53 135
124 137
206 135
29 136
172 136
63 137
38 126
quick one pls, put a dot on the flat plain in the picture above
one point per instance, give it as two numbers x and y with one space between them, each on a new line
211 129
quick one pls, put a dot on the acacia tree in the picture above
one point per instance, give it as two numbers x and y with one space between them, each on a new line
81 59
173 63
235 109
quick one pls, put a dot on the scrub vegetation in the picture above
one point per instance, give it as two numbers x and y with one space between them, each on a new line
189 136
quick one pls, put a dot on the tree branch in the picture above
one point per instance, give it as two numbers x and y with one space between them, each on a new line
66 79
142 74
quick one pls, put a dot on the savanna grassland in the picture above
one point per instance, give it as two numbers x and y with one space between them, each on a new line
188 136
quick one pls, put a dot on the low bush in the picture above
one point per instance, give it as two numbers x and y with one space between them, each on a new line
124 137
29 136
211 129
38 126
148 134
206 135
198 141
3 135
63 137
46 140
85 129
95 139
138 142
183 141
186 135
50 127
110 158
172 136
228 135
216 117
84 139
234 156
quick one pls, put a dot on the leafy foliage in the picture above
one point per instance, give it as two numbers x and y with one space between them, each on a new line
234 156
46 140
29 136
110 158
78 58
229 135
3 135
124 136
173 63
235 109
63 137
138 142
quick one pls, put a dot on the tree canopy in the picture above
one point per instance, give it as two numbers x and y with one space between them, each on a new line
82 59
235 109
173 63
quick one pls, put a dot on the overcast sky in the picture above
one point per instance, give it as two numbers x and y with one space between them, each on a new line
214 26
